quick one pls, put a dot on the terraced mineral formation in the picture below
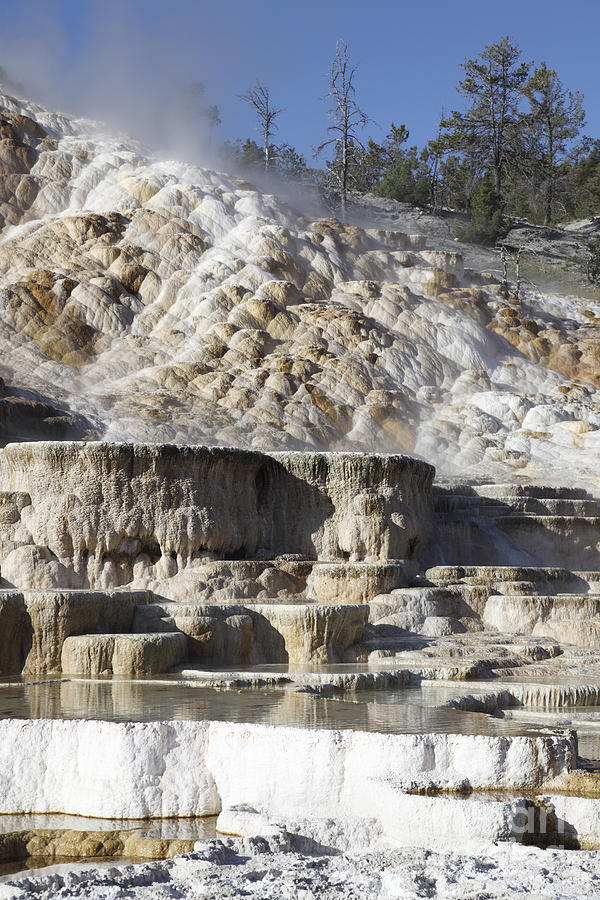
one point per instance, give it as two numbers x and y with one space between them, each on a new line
200 527
102 511
168 611
200 768
111 552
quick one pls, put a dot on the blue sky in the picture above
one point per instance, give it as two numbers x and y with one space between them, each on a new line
128 60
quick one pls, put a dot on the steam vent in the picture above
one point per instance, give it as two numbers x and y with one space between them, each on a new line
299 546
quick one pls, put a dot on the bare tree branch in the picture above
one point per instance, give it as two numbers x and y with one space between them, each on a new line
259 98
346 117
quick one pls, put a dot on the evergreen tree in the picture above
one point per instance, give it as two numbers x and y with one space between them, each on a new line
373 162
247 155
593 261
459 182
406 180
370 163
291 164
586 182
487 222
488 131
556 117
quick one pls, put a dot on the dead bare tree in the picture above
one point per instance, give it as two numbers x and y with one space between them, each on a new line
259 98
504 258
516 256
347 119
518 273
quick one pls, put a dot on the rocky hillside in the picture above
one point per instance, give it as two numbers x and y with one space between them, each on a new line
151 300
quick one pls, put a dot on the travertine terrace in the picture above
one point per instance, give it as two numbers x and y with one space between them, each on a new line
236 570
126 526
299 536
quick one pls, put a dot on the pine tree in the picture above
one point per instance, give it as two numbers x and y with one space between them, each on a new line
292 164
593 261
487 222
556 117
407 179
488 131
374 162
586 182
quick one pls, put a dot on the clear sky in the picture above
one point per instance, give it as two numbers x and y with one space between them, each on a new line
127 60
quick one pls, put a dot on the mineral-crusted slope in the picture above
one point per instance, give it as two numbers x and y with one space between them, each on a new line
173 303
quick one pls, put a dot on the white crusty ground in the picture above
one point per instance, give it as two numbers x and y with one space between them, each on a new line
257 868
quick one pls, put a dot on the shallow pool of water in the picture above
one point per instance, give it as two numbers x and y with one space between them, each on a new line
33 865
190 829
405 710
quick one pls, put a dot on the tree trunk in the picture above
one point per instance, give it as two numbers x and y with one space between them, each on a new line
344 176
549 179
548 202
496 180
266 150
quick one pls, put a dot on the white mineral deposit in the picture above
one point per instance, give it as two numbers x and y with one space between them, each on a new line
299 545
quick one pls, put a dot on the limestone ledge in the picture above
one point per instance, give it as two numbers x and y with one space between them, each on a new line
122 654
518 525
325 684
164 769
282 579
568 618
259 633
35 624
125 632
105 515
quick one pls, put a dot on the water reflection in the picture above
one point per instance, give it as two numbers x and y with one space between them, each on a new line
191 829
409 710
41 867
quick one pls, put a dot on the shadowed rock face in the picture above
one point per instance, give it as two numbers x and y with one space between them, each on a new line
25 416
519 525
109 514
35 624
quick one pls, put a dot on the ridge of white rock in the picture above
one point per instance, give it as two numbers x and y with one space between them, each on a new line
350 778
